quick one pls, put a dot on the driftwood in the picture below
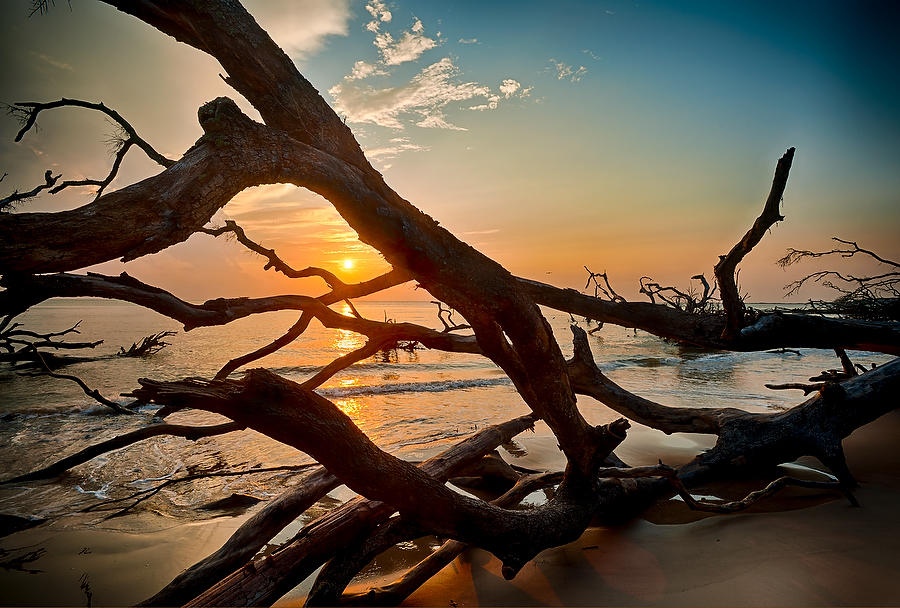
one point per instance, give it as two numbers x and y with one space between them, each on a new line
264 580
302 141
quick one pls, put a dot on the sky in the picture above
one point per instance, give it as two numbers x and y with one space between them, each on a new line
637 138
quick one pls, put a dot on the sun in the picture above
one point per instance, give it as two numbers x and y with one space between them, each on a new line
348 264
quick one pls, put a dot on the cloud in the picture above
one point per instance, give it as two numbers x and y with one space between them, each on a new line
409 47
300 28
509 87
53 62
568 72
361 70
397 146
423 97
422 100
474 232
438 121
379 11
492 104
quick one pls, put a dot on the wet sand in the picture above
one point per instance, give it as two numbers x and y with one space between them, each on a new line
800 548
826 554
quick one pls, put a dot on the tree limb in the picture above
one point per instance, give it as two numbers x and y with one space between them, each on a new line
29 110
727 265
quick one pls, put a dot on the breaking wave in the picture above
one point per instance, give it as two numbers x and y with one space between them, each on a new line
438 386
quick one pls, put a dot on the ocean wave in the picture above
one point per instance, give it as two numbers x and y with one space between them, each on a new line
387 365
437 386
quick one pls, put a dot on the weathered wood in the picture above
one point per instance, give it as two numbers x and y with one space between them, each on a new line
263 581
303 142
247 540
816 427
727 266
334 579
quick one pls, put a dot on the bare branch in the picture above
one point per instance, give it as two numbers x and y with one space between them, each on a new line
27 113
795 255
30 110
43 7
758 495
148 345
448 322
22 345
116 443
606 289
292 334
806 388
869 297
726 267
321 538
333 578
10 201
92 393
341 363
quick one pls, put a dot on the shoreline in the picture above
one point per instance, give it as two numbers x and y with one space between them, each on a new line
798 548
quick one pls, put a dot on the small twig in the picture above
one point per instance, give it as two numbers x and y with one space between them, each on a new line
142 495
92 393
27 113
806 388
148 345
448 322
784 351
273 260
192 433
606 289
31 109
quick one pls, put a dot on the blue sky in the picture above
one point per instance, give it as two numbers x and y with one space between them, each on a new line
635 137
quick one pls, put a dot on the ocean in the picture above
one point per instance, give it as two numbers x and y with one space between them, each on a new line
412 404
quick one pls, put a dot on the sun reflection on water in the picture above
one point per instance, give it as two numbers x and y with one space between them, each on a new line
352 407
346 341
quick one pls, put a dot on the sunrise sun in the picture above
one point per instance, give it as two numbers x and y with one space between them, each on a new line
348 264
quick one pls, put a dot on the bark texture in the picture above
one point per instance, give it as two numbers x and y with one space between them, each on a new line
303 142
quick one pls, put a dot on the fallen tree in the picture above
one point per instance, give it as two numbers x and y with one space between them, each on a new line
303 142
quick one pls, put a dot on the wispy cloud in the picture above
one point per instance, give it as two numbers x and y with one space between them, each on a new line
509 87
481 232
423 97
301 28
409 47
422 101
379 12
60 65
397 146
362 69
568 72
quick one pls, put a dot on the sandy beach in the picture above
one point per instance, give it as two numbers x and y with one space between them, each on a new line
800 548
